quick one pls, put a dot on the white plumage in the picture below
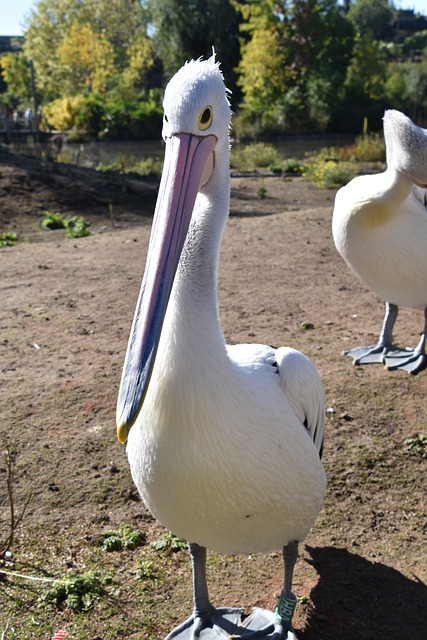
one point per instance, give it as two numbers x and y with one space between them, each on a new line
380 229
225 444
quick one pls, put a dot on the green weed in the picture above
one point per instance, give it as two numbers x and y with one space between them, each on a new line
78 593
168 543
147 570
8 239
123 538
417 445
75 226
52 220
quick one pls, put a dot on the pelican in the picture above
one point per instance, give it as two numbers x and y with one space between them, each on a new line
379 226
223 442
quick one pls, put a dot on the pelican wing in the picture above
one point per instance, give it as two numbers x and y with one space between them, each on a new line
297 376
301 383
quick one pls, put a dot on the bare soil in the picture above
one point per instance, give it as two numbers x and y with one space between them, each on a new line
65 312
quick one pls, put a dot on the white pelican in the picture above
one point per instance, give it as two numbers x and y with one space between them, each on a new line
224 442
379 226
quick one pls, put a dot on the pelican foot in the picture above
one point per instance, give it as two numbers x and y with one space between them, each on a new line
227 623
264 625
215 625
369 355
406 360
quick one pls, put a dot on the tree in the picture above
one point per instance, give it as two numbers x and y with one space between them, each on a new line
299 52
188 29
15 71
111 33
88 59
263 72
373 18
365 84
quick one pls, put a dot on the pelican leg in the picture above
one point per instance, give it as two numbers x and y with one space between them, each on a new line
267 625
384 347
206 622
410 360
210 623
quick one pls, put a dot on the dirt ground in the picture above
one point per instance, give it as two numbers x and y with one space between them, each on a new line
65 312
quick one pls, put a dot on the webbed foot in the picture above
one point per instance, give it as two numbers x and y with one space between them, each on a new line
264 625
409 360
218 623
224 623
369 355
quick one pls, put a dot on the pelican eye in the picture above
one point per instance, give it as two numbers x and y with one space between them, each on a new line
205 118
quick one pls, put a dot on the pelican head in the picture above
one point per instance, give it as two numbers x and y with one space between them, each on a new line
406 145
195 129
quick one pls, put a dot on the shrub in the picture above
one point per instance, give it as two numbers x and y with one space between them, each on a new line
63 113
254 156
328 172
369 148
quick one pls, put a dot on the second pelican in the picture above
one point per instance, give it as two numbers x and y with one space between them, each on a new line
380 229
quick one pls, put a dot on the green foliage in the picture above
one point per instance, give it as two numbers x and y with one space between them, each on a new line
369 148
254 156
262 192
8 239
169 543
52 220
80 45
147 570
417 445
293 166
304 66
75 226
185 30
78 593
293 62
373 17
15 71
123 538
148 167
326 170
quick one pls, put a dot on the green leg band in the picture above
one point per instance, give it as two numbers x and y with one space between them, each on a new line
285 608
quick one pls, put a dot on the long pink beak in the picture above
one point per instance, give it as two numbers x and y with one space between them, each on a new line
184 171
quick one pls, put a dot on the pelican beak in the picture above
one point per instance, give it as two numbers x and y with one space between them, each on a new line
187 166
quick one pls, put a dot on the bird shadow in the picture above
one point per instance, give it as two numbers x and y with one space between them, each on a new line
356 599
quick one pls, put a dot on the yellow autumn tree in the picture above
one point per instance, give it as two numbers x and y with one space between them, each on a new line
140 59
88 58
262 67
